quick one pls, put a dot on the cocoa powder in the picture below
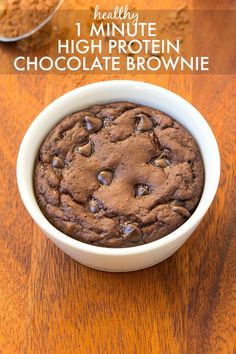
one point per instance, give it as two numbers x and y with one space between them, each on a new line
18 17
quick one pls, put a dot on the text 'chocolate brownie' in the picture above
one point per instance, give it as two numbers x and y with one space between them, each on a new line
118 175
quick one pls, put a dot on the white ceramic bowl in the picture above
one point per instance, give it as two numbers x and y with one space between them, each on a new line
119 259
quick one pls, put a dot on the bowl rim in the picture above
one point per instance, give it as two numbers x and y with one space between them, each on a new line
56 235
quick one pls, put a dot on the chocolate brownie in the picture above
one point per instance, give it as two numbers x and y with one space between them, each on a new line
118 175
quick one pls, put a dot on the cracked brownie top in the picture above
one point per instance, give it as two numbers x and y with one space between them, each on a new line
118 175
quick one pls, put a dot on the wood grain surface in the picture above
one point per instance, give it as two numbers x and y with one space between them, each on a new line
51 304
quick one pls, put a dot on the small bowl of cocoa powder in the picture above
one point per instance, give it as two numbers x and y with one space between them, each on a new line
21 18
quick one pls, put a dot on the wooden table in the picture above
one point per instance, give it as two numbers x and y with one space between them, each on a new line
51 304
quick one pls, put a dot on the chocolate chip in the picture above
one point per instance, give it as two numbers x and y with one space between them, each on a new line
93 124
86 149
141 190
144 123
159 162
181 210
178 202
105 177
57 162
93 206
132 233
